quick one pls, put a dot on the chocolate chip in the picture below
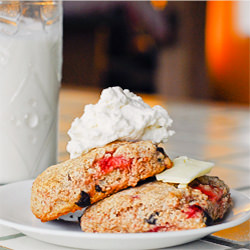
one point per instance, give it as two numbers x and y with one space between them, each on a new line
69 177
209 221
84 201
152 220
161 150
98 188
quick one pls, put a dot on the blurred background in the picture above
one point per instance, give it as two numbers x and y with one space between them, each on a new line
183 50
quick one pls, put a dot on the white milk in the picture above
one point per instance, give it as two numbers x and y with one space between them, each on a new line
30 75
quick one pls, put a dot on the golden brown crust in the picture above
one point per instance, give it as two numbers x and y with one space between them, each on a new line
94 176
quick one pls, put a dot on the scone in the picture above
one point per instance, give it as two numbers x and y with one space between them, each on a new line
159 207
82 181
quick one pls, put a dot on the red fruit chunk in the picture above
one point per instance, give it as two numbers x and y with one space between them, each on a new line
164 228
136 197
108 164
193 211
214 194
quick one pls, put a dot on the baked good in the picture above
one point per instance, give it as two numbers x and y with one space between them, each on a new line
82 181
158 206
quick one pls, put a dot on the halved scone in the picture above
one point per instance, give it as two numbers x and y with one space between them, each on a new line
103 171
159 207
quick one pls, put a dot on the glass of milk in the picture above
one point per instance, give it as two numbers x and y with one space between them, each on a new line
30 78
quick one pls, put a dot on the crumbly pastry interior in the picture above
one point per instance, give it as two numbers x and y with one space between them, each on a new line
159 207
79 182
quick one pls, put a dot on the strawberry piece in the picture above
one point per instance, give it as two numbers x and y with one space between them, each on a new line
164 228
108 164
214 194
193 211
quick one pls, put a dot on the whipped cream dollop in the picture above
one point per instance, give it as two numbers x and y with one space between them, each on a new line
118 115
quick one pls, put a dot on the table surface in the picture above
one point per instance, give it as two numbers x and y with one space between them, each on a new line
207 131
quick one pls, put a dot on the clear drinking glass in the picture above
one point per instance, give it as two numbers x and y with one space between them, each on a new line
30 78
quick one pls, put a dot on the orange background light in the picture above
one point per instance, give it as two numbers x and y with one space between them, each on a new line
227 52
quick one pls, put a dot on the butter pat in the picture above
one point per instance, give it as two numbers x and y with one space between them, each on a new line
185 170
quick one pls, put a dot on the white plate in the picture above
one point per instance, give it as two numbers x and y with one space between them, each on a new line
15 212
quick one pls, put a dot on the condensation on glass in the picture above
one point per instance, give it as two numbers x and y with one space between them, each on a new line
30 78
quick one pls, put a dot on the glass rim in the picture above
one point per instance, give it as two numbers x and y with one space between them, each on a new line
14 2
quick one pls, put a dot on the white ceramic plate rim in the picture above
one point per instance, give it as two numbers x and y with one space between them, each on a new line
154 235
